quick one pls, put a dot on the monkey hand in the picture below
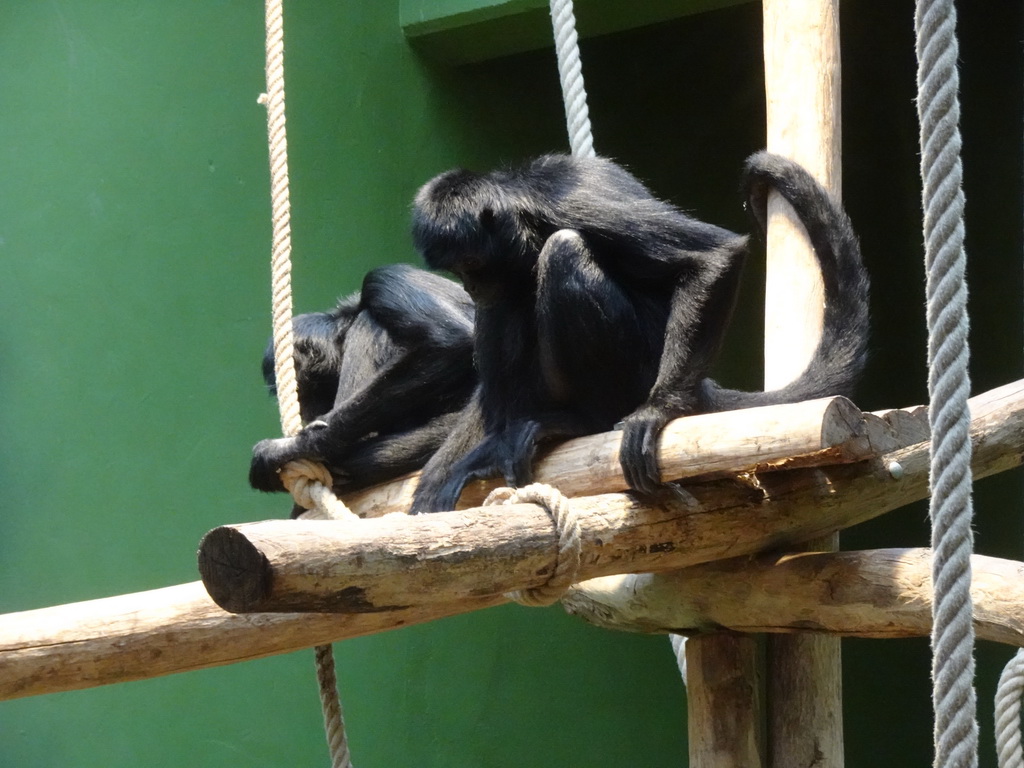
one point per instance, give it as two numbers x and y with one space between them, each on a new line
268 456
638 453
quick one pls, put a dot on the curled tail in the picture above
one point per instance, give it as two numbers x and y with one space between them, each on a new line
841 353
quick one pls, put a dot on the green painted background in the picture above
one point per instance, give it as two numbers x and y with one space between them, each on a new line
134 237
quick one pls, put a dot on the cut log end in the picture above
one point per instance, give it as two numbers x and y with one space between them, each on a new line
234 571
178 629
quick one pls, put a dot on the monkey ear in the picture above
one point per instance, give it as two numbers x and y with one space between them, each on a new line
487 219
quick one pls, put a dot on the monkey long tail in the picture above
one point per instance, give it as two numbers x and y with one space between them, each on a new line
841 353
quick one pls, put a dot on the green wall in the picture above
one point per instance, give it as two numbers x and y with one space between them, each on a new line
134 236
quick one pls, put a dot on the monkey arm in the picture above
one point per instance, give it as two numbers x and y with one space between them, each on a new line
701 307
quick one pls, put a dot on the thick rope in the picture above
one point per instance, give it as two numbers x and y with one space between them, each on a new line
330 705
570 547
281 253
1008 694
570 73
309 483
953 696
312 487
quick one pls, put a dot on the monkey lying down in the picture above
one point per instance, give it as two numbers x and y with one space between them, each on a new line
588 302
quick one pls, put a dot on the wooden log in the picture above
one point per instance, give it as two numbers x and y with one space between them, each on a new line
178 629
724 674
826 431
397 561
802 90
163 631
875 593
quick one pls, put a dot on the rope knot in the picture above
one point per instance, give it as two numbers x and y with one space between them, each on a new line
570 546
310 484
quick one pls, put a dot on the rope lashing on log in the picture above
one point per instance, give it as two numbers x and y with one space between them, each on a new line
567 529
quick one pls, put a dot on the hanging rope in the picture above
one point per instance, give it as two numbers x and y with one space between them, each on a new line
570 73
281 250
1008 694
953 697
581 143
309 483
330 705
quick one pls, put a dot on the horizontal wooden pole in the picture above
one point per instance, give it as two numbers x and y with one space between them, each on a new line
398 561
874 593
826 431
179 628
163 631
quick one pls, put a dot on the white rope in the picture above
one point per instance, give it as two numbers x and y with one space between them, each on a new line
570 73
1008 695
281 265
312 487
679 649
953 697
570 545
581 143
309 483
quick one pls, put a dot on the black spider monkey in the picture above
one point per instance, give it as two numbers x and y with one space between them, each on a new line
597 303
381 379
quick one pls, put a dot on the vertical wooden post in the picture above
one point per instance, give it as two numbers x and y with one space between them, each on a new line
802 85
724 702
801 55
803 684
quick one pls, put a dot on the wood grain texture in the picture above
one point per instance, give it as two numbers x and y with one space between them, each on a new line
397 561
826 431
177 629
802 91
729 669
874 593
164 631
